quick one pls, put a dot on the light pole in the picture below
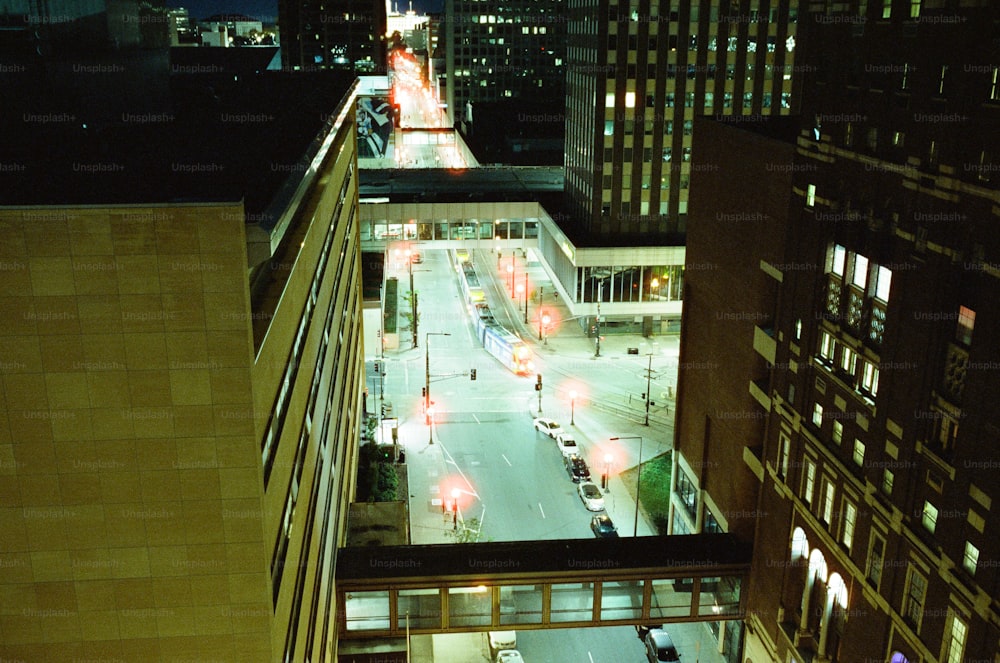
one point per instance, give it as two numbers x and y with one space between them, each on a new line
638 476
607 471
545 324
520 293
597 320
526 294
413 297
649 374
427 383
455 492
510 272
572 407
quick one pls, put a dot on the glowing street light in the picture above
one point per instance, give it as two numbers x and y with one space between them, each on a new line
607 470
572 407
510 273
545 325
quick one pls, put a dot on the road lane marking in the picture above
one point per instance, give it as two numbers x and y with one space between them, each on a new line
541 509
505 459
590 657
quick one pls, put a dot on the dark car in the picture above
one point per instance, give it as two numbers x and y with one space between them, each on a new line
604 528
577 468
660 647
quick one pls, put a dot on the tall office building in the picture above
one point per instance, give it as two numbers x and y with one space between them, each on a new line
840 410
497 50
341 34
637 75
181 370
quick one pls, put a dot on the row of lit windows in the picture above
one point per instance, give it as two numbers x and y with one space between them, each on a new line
616 13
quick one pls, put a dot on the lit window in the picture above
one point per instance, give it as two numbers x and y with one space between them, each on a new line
886 8
828 495
848 360
966 321
609 127
971 559
995 84
906 77
860 274
837 258
858 455
887 478
850 515
955 639
798 329
783 443
883 279
941 79
915 8
913 600
817 415
929 517
869 378
609 100
811 195
809 482
838 432
898 138
876 553
630 100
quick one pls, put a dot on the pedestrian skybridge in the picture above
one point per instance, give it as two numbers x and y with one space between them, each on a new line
395 590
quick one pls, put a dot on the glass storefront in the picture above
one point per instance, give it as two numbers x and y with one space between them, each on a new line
635 283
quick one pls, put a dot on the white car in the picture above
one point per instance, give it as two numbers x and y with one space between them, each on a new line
500 640
548 426
509 656
591 496
567 444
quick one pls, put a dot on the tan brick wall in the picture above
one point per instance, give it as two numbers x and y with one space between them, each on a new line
130 491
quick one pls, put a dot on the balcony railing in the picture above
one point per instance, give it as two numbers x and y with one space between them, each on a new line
956 367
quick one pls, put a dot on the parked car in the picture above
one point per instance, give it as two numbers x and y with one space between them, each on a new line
577 468
500 640
548 426
660 647
603 527
567 444
509 656
591 496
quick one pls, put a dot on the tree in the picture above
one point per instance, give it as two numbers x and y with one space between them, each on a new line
408 313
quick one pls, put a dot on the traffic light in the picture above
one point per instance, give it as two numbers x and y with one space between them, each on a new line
378 367
423 392
383 410
472 374
538 385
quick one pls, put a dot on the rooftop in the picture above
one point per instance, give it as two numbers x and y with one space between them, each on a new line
217 131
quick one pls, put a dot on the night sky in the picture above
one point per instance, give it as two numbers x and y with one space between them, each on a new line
267 10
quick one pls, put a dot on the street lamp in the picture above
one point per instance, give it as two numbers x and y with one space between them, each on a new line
572 407
510 272
520 293
413 297
545 324
638 476
427 383
607 470
455 492
526 295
